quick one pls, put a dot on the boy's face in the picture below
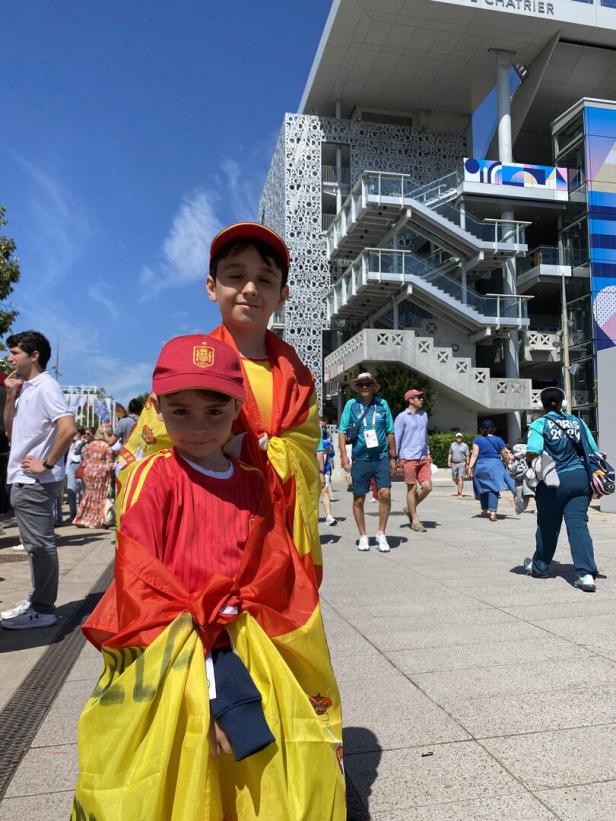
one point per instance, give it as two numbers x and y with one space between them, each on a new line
247 290
198 424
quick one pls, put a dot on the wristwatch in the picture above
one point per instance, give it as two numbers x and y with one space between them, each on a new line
47 466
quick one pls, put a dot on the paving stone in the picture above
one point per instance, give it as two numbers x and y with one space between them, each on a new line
45 770
589 802
537 677
522 807
448 634
60 724
484 654
395 712
517 713
395 780
558 758
55 806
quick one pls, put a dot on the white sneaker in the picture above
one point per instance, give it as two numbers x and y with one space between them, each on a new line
19 546
363 543
372 500
28 619
586 583
329 520
19 608
382 543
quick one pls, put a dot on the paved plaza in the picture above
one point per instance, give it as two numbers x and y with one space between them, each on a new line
470 691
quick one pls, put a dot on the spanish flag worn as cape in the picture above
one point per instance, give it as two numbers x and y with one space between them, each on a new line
143 734
286 455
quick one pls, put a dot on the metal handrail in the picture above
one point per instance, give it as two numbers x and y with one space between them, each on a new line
504 231
402 263
521 298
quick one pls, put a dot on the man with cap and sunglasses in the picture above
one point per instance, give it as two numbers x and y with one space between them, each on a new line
414 454
367 424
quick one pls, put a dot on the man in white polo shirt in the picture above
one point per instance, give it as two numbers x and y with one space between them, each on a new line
40 426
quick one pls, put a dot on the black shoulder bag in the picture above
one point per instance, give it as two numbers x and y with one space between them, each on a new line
352 432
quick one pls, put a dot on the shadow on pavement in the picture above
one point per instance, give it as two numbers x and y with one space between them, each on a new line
79 539
557 570
427 524
396 541
361 741
330 538
11 640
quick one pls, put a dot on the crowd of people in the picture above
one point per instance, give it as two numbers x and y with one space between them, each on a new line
555 466
214 649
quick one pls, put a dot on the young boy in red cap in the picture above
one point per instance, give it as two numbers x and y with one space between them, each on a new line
249 265
198 540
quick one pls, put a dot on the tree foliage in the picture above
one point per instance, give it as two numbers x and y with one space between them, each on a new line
395 380
9 275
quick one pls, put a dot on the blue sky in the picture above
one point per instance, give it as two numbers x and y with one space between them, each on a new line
132 131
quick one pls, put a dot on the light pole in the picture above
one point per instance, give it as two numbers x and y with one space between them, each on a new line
564 319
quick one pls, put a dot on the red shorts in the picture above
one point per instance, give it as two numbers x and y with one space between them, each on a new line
416 470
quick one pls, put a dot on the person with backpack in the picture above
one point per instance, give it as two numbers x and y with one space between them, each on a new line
569 442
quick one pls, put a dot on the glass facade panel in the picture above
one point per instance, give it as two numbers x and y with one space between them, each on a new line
580 321
589 415
583 382
574 160
572 131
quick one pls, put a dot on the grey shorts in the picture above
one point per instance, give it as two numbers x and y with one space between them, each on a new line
458 470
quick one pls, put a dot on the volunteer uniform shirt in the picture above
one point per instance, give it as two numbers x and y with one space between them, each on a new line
548 433
196 523
378 418
39 406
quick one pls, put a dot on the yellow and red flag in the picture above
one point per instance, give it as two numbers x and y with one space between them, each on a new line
143 746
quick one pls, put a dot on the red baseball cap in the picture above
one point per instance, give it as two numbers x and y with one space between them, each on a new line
198 362
249 231
412 393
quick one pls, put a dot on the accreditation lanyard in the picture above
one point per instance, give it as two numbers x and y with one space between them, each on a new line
370 437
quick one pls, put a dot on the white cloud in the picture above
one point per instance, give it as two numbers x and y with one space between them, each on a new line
58 227
232 196
186 248
98 295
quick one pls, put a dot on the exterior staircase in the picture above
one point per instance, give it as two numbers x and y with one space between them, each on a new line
455 375
379 272
381 199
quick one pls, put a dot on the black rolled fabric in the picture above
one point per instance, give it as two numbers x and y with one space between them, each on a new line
237 706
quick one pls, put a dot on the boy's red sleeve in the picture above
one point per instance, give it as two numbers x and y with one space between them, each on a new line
144 520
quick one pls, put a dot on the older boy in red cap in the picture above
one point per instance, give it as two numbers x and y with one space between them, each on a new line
248 272
411 428
204 557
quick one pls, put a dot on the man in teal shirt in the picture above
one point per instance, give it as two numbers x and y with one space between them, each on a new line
368 426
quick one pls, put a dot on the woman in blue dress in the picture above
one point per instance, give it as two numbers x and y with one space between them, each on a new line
488 469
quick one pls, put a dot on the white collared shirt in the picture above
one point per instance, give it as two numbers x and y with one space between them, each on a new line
39 406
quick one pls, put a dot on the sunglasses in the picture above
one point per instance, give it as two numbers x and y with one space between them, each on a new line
364 384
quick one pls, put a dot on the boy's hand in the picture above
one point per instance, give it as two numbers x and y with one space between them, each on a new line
12 382
217 740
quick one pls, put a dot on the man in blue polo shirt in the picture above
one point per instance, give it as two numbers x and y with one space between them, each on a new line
367 424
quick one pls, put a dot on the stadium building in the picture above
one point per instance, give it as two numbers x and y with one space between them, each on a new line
448 193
